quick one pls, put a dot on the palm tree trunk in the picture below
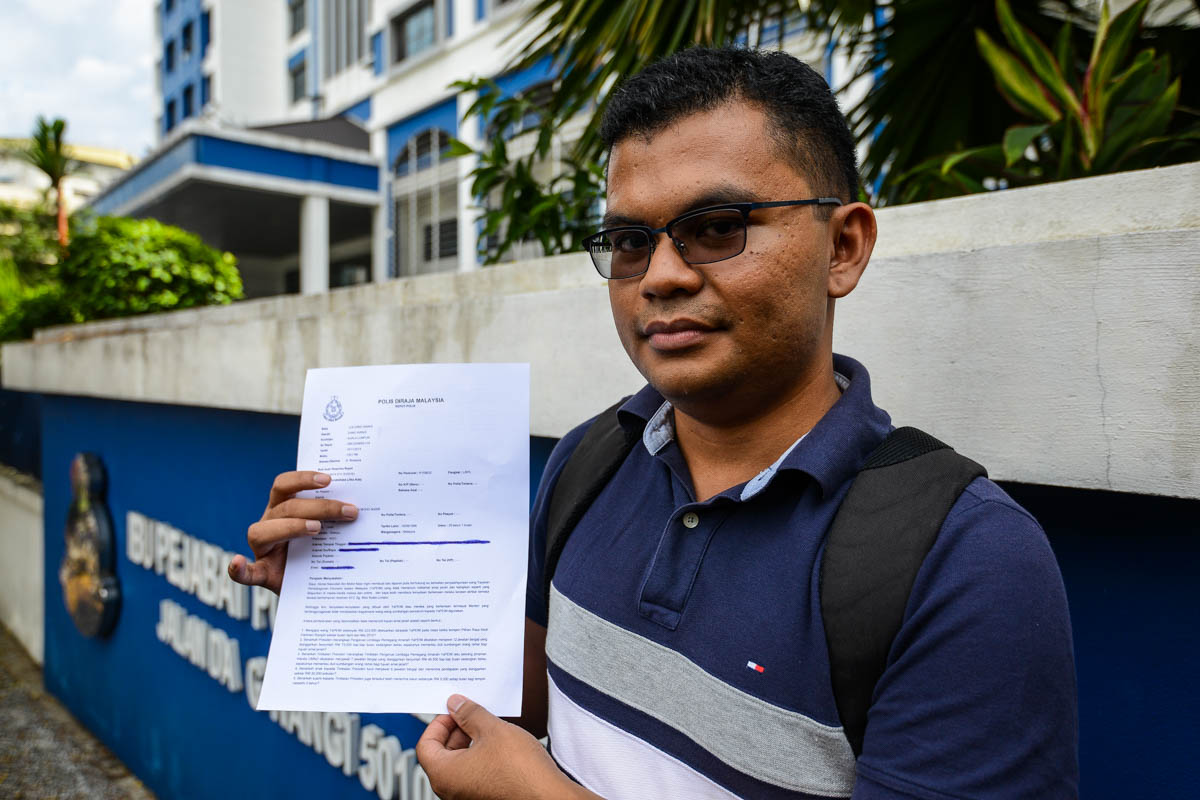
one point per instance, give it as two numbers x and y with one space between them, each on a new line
61 210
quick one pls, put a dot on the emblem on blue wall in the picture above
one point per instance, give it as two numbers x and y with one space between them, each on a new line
91 592
333 410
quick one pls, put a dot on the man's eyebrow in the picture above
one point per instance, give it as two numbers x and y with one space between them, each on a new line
721 194
612 220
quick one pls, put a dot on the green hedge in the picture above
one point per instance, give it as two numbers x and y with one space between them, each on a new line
119 267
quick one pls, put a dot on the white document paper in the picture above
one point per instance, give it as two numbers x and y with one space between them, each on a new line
423 595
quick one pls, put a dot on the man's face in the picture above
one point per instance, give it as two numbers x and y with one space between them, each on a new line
734 337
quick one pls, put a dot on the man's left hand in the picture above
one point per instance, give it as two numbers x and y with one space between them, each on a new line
470 754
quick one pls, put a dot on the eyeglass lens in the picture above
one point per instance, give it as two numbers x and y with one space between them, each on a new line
701 239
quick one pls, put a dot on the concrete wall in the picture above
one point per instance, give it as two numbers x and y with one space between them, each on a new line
21 560
1048 332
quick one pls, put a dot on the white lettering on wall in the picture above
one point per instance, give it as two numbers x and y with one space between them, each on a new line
204 646
197 567
366 750
263 604
190 564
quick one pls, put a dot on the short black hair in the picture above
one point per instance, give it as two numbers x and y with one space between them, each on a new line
803 114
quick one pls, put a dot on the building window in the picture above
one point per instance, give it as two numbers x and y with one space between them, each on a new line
188 101
299 80
344 35
485 8
447 240
297 16
421 146
187 41
205 90
170 116
414 31
169 57
168 6
425 227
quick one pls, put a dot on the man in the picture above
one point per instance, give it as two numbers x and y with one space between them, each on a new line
683 653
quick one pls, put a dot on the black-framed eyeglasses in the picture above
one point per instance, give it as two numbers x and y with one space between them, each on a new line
703 236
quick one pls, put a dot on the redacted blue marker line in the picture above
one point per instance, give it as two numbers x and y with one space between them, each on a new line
358 549
455 541
346 567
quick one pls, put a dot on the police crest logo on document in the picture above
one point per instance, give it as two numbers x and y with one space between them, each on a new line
333 410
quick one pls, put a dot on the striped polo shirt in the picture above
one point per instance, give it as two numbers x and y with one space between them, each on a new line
687 657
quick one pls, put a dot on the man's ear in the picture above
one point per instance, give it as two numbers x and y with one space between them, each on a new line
852 230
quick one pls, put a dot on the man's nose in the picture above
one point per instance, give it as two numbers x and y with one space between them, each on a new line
669 273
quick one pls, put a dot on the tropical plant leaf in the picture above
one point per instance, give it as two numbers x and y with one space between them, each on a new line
1017 139
1016 83
1064 50
951 161
1066 147
1150 123
1133 75
458 148
1110 48
1141 83
1038 57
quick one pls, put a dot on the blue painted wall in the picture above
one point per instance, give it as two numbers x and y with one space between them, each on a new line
379 62
144 176
187 72
360 111
21 431
217 152
1130 563
442 115
206 472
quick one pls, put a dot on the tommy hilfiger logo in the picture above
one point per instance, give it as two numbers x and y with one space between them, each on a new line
755 667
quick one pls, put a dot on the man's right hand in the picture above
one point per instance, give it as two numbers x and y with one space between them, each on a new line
287 517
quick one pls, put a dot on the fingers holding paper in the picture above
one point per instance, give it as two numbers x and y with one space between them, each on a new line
471 754
286 517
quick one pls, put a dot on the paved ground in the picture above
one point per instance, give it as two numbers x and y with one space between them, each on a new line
44 752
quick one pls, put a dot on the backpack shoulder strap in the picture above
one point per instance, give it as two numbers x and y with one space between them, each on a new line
881 534
588 470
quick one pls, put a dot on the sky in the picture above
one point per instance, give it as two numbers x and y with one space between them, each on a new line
90 62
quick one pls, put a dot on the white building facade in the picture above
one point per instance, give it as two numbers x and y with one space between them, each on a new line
308 136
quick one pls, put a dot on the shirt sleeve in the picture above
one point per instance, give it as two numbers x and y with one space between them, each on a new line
978 698
535 600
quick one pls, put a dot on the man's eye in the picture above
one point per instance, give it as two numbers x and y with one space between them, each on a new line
718 228
629 242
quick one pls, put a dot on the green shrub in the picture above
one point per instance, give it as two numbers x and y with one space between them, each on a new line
118 267
34 307
28 247
114 267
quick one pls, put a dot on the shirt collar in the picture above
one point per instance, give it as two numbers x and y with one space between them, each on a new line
832 452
